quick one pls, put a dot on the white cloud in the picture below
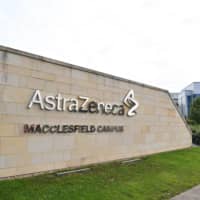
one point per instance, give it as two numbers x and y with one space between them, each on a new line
151 41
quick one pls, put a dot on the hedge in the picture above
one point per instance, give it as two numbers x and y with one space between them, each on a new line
196 139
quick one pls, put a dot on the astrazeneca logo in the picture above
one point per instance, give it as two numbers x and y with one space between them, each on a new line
131 103
84 104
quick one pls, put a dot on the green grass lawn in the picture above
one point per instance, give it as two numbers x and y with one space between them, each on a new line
158 176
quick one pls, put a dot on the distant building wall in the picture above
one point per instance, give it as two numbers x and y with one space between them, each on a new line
186 97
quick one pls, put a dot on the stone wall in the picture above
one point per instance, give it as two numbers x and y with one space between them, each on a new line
156 127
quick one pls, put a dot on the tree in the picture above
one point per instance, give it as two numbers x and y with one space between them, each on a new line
195 110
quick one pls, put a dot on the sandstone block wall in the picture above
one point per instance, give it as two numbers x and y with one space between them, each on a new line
156 127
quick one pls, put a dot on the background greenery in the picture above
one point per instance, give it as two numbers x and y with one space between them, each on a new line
194 120
195 129
194 114
195 133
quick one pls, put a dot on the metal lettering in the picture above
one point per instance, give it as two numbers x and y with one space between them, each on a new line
84 104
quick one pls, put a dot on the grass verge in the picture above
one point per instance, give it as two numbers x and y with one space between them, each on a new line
158 176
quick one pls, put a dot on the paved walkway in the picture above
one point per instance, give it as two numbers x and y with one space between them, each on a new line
192 194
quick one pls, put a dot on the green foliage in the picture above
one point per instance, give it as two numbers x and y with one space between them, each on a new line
156 177
190 122
195 133
195 111
195 128
196 139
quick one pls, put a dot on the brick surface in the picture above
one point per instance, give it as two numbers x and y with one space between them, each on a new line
156 127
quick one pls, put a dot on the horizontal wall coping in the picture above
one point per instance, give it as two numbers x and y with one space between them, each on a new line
72 66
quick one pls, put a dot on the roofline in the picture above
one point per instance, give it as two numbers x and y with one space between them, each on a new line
190 85
72 66
187 86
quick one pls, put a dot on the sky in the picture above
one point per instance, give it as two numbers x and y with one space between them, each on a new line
155 42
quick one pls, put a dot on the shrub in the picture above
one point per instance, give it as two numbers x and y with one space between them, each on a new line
196 139
195 133
191 122
195 111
